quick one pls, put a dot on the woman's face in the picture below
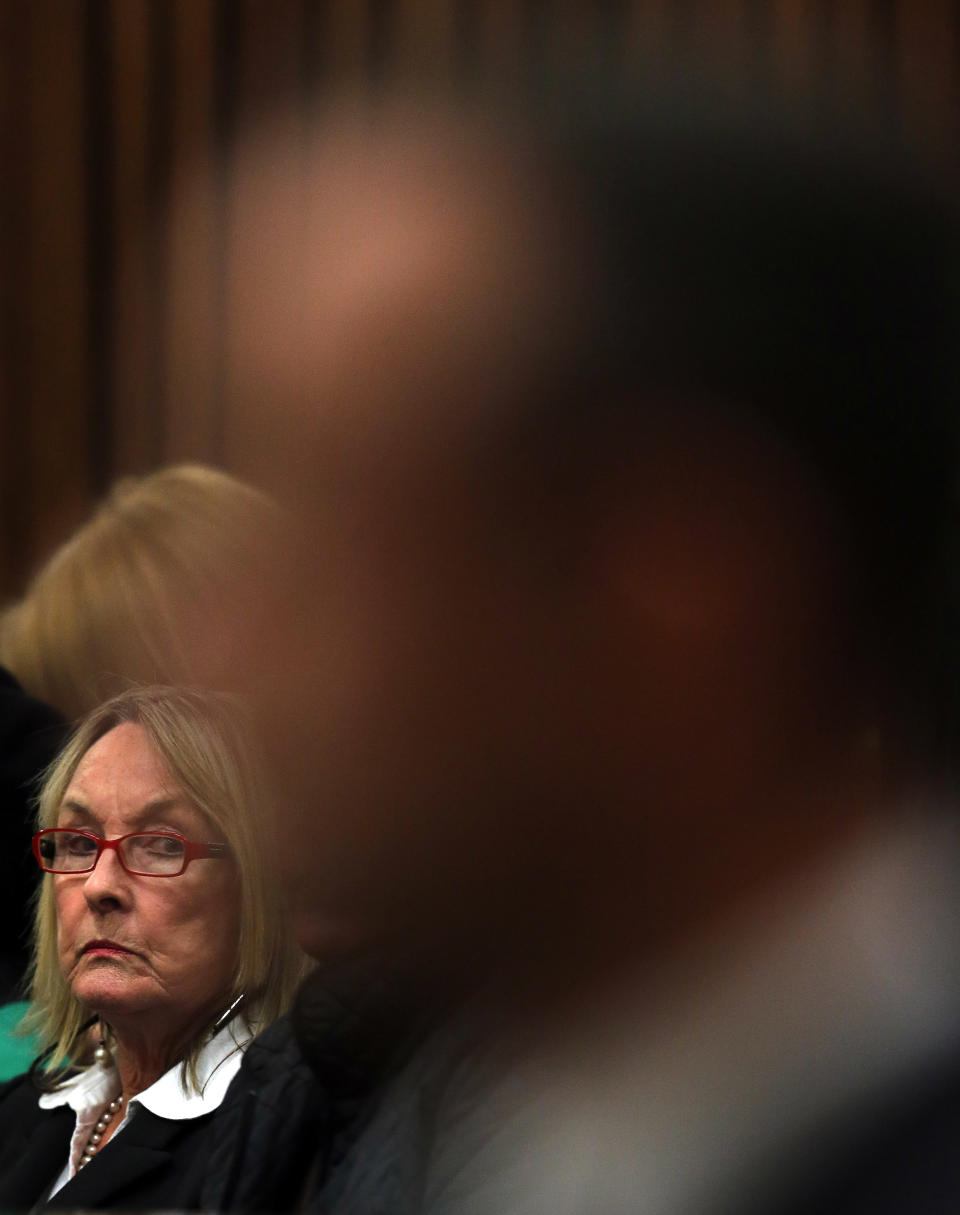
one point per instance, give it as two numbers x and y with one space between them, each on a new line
155 956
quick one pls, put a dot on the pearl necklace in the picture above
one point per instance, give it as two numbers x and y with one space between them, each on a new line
96 1135
101 1054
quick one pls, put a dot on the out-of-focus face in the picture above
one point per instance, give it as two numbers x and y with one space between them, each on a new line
459 722
398 680
465 686
153 955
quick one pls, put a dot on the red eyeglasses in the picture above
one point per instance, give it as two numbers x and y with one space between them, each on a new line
142 853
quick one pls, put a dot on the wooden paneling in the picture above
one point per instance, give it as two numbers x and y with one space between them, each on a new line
342 33
928 42
193 408
426 38
852 53
135 404
118 346
15 271
500 23
47 459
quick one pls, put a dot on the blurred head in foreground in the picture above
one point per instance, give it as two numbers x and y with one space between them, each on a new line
623 437
126 599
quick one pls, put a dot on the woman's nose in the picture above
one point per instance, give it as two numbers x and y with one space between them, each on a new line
108 879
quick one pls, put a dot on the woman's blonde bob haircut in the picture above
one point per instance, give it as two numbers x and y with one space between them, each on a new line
126 598
207 748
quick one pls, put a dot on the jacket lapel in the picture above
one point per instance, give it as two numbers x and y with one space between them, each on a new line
140 1149
40 1156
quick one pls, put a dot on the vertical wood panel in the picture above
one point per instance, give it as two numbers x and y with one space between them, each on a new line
928 42
193 423
646 36
500 26
159 167
343 34
854 53
270 54
793 43
887 99
55 294
576 38
136 399
99 64
271 62
117 345
467 50
425 39
721 39
16 150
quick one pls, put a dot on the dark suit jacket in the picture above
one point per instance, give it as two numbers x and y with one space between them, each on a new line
153 1163
31 734
898 1156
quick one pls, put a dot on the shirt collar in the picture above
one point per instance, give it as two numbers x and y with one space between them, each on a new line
93 1087
218 1063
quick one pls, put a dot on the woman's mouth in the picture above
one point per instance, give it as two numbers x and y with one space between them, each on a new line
105 948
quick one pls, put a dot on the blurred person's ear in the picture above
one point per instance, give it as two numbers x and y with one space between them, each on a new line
718 595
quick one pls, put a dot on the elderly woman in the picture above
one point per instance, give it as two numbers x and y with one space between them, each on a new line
132 596
160 946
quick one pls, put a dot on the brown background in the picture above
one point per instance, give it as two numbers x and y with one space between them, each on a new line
115 353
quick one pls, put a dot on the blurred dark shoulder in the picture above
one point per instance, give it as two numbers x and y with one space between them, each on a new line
31 734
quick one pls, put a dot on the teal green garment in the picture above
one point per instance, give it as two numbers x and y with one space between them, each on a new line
16 1054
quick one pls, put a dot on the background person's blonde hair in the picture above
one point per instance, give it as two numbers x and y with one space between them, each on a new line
124 599
208 748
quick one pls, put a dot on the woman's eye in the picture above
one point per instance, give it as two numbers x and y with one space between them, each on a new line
160 845
79 845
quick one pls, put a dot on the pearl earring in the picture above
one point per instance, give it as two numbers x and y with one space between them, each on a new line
101 1053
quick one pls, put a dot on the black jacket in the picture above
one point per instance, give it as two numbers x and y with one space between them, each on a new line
272 1130
31 734
310 1086
153 1164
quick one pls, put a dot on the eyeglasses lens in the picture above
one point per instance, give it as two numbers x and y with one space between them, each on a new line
151 853
68 852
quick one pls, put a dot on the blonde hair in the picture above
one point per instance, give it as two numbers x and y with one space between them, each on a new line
207 746
120 602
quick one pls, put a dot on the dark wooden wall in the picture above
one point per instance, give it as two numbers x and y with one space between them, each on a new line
114 351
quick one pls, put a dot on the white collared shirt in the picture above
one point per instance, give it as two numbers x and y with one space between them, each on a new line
88 1093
